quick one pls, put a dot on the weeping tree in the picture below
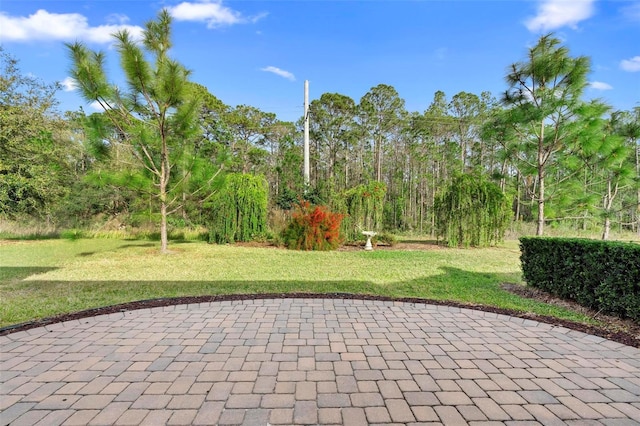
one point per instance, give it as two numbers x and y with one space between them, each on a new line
154 115
472 212
238 211
365 208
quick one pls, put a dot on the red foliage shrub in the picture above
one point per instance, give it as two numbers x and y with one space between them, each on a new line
313 228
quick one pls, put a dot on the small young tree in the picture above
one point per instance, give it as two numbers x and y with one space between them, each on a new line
472 212
154 115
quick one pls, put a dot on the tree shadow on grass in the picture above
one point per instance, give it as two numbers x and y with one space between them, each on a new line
430 242
454 287
61 298
21 272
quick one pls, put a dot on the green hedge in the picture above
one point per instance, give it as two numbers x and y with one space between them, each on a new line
602 275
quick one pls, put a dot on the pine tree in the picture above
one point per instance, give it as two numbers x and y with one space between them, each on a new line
543 96
154 114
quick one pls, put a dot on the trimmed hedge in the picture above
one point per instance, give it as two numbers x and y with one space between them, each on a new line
601 275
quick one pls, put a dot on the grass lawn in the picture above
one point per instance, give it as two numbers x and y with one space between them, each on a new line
40 279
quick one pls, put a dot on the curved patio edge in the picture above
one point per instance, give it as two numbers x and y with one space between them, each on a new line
316 360
621 337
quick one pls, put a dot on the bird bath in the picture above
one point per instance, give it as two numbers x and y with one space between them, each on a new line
369 235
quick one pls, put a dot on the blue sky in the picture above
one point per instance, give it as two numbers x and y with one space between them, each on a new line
260 52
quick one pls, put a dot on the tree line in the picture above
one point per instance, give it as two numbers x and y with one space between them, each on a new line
159 150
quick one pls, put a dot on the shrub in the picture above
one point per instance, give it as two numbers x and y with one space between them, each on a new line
72 234
385 238
601 275
313 228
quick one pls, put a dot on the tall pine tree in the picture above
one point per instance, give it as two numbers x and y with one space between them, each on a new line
543 96
154 114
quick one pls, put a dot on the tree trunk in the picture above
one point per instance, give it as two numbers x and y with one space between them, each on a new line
164 179
518 201
346 170
463 153
503 173
541 160
164 240
422 210
378 159
540 226
607 228
607 204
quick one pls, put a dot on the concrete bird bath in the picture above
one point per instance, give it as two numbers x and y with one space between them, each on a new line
369 235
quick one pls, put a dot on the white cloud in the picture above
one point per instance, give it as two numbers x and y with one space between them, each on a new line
43 25
554 14
98 106
117 18
69 84
256 18
280 72
213 13
631 65
599 85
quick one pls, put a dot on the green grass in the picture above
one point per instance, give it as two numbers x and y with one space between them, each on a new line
40 279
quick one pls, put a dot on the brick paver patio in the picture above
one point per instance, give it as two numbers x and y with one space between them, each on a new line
314 361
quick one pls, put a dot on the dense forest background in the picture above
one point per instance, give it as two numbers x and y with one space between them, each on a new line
559 159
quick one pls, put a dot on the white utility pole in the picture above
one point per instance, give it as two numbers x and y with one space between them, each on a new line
306 134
